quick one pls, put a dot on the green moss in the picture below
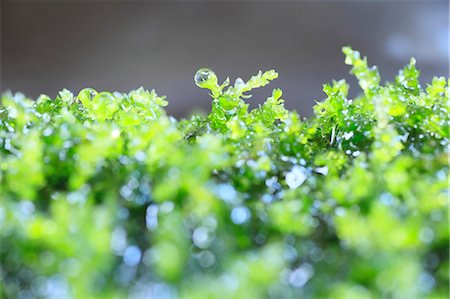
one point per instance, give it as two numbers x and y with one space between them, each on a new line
105 195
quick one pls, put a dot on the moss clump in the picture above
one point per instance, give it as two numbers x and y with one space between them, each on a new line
104 195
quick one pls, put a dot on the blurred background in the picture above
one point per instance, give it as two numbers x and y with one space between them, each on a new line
121 45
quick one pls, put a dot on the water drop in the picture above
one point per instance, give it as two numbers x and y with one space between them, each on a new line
200 237
300 276
239 83
347 135
2 216
115 133
132 256
322 170
47 132
62 155
140 156
57 287
252 163
387 199
118 240
340 211
227 193
290 253
133 183
210 223
47 258
404 138
260 239
356 153
240 215
270 182
75 197
151 217
240 163
206 259
162 290
26 208
123 213
436 215
124 160
426 282
426 235
126 192
39 286
316 254
64 132
70 267
167 207
296 177
204 77
267 198
67 144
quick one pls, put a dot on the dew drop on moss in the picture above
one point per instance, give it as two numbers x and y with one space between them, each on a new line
151 217
132 256
202 76
296 177
348 135
200 237
322 170
239 83
300 276
206 259
240 215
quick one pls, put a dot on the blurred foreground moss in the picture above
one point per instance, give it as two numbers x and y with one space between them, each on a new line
105 196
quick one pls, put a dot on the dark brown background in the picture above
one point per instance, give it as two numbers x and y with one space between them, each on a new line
121 45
